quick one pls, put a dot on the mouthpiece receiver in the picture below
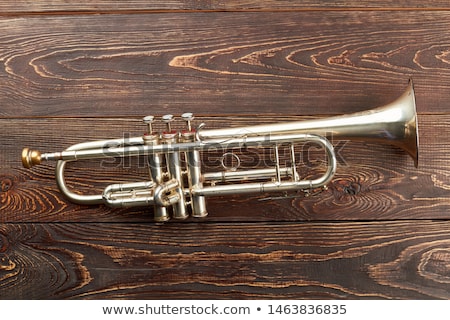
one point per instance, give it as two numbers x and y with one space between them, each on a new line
30 157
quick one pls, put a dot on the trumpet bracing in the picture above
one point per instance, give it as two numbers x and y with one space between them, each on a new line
177 185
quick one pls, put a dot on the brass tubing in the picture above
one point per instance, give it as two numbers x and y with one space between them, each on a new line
229 176
198 202
174 170
120 195
155 164
247 188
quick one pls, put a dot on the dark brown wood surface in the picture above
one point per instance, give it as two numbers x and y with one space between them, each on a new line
86 70
379 260
221 63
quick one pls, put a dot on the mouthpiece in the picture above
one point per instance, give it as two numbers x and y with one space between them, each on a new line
30 157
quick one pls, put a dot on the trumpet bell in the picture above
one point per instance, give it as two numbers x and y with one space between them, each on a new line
408 136
394 124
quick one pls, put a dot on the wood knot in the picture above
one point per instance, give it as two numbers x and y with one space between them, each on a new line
6 185
434 264
342 59
352 189
347 187
5 263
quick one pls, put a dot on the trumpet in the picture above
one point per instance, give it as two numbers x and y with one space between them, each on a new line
178 187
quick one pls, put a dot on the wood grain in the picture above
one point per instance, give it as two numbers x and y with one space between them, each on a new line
239 261
72 71
10 7
373 182
219 63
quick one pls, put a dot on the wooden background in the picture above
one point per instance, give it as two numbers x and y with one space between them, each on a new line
74 71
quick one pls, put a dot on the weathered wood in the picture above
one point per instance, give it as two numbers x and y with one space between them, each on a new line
244 63
10 7
72 71
406 260
373 182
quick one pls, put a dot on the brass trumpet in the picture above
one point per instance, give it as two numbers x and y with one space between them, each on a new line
172 189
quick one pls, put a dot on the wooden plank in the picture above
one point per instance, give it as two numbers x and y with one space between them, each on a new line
402 260
105 6
217 63
373 182
81 70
